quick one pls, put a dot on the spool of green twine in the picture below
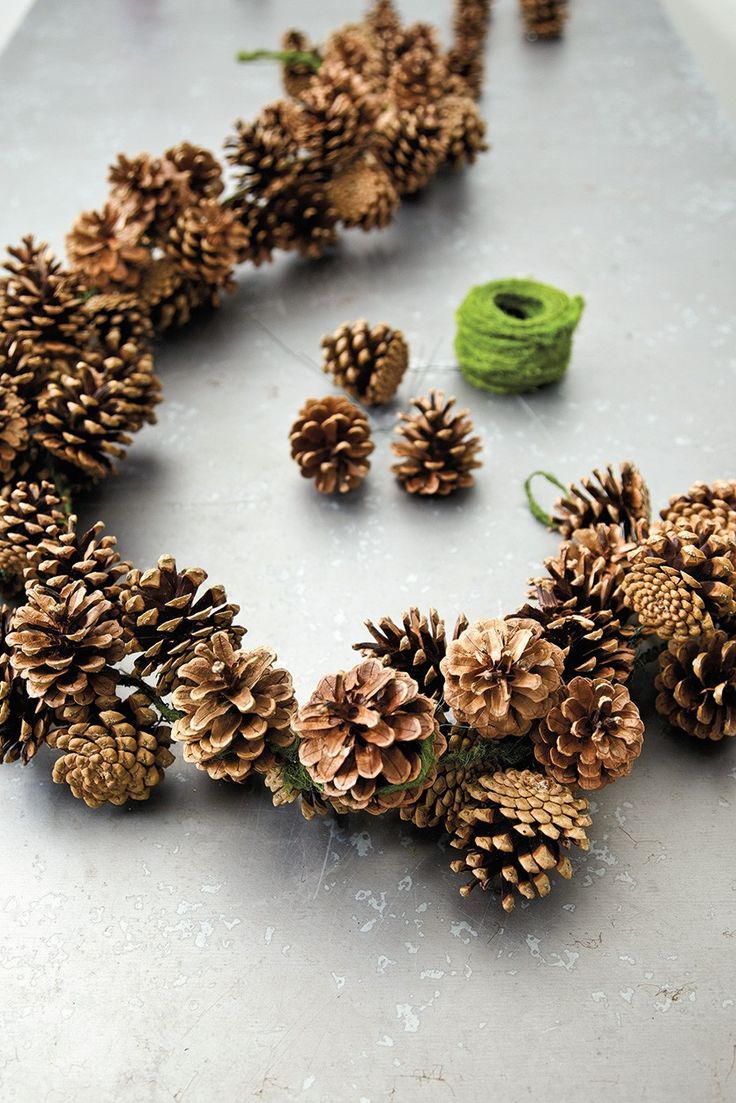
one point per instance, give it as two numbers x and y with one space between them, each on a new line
515 335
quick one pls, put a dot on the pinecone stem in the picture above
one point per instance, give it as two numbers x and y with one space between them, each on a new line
287 57
165 711
540 514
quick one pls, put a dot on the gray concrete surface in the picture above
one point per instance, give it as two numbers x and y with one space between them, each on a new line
209 947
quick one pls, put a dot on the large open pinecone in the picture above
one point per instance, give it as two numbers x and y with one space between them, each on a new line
90 556
24 722
544 18
605 497
113 755
331 442
31 512
265 153
696 685
200 168
715 503
411 145
151 188
166 614
417 646
206 242
334 116
368 362
363 734
592 736
363 194
682 583
593 641
64 642
105 247
238 708
436 453
581 576
501 675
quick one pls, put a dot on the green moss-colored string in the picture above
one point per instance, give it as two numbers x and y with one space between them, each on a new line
541 515
515 335
287 57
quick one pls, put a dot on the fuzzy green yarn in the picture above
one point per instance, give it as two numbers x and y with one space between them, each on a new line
515 335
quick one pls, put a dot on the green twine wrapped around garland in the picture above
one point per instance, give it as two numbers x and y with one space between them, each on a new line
515 335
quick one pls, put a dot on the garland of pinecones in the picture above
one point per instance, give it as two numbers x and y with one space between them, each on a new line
488 731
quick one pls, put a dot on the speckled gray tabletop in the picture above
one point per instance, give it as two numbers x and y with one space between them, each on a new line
209 947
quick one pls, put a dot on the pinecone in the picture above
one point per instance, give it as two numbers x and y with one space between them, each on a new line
715 503
369 363
363 194
696 685
237 707
266 154
682 583
384 27
119 319
266 231
331 442
369 738
470 18
500 675
544 18
206 242
24 723
63 642
29 513
300 218
417 77
335 115
105 248
417 646
466 66
579 578
115 755
351 47
436 454
151 189
464 128
411 145
90 556
169 298
200 168
593 641
441 802
165 617
296 76
592 736
605 498
13 430
285 787
515 830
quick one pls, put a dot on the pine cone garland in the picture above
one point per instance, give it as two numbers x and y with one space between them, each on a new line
206 242
544 18
149 187
116 755
238 708
605 497
266 154
417 646
696 686
369 363
593 641
331 442
365 730
591 737
335 115
714 504
105 247
201 170
63 644
14 434
436 453
363 194
517 829
501 675
411 145
24 723
29 513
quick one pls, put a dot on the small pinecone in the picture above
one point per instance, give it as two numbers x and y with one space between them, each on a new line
331 442
151 189
593 641
466 65
605 497
363 194
579 578
335 115
470 18
200 168
436 453
365 730
464 128
29 514
592 736
63 643
696 685
411 145
206 242
118 320
281 784
682 583
238 708
714 503
24 723
115 755
515 830
165 616
105 248
296 76
384 27
544 18
353 48
14 435
442 802
417 646
369 363
501 675
417 77
265 152
169 298
90 556
301 217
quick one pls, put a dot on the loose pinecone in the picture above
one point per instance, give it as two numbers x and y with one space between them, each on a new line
696 685
593 641
592 736
335 115
411 145
13 430
64 643
297 75
152 189
417 646
364 730
90 556
105 247
703 503
200 168
436 453
682 583
331 442
464 128
206 242
417 77
119 319
363 194
114 755
266 154
515 831
24 723
544 18
500 675
369 363
605 498
238 708
165 616
31 512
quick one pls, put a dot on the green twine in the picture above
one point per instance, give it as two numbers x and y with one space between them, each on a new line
515 335
286 57
537 511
